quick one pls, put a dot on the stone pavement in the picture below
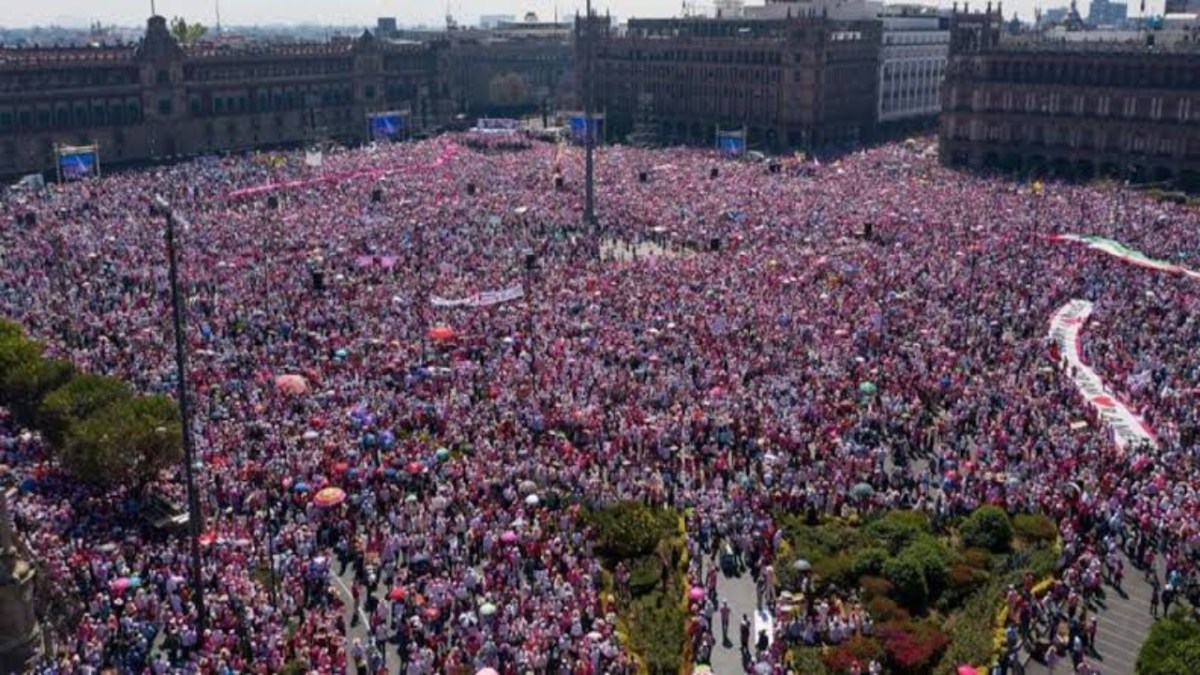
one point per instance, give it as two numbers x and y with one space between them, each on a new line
739 592
1124 624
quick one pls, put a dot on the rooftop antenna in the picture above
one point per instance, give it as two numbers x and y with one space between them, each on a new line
153 10
217 5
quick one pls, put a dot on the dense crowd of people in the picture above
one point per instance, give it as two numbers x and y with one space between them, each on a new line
729 343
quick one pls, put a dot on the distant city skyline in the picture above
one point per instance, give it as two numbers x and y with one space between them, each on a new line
80 13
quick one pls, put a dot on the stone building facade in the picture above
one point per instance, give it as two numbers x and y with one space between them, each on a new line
801 81
158 100
539 56
1070 109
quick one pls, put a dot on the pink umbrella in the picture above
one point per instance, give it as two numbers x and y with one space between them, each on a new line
291 384
509 537
487 671
696 593
967 670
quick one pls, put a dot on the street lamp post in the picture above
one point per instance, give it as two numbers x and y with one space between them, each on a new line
195 522
589 209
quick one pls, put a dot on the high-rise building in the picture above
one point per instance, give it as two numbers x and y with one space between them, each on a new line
912 65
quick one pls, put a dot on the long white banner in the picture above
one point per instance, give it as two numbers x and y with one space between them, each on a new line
483 299
1129 429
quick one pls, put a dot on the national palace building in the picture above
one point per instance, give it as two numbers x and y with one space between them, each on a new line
158 100
1072 104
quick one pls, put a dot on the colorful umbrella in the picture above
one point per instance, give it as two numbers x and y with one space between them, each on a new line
509 537
442 333
443 454
415 468
532 500
291 384
329 497
397 594
696 593
300 486
487 671
487 609
867 387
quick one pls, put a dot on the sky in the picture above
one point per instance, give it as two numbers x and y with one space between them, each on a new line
22 13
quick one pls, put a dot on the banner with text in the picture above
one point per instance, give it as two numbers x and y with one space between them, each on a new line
484 299
1129 429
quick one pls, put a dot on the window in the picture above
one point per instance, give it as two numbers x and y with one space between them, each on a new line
1156 107
1102 106
164 107
163 77
1130 107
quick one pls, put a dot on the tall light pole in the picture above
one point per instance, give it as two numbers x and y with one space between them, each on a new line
589 207
195 522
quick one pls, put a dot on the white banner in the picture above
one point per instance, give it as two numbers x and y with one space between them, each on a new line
1129 429
313 159
483 299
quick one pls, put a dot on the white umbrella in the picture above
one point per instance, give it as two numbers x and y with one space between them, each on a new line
532 500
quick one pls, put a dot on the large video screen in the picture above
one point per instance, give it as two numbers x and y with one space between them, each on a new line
388 125
78 163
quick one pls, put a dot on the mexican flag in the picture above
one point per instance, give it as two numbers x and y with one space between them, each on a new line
1129 255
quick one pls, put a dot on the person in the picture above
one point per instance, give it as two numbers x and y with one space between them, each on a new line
763 642
1154 600
725 621
744 634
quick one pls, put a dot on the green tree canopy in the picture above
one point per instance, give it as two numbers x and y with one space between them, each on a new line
129 441
23 388
82 396
987 527
1173 647
186 33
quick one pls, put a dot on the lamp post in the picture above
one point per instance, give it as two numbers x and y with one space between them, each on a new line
589 208
195 522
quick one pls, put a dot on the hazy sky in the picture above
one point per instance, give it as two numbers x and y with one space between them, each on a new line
359 12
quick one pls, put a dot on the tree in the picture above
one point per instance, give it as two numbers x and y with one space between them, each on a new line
24 387
987 527
908 579
127 442
15 349
507 90
76 400
1172 647
187 33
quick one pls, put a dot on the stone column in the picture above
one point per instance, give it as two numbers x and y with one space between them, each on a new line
19 631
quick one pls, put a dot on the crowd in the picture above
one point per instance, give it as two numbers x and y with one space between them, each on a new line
775 358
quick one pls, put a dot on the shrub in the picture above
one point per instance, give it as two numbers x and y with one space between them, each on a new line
977 558
644 575
1034 530
1172 647
857 649
896 529
833 571
934 559
875 587
806 660
629 529
81 396
913 647
987 527
908 578
885 609
868 561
